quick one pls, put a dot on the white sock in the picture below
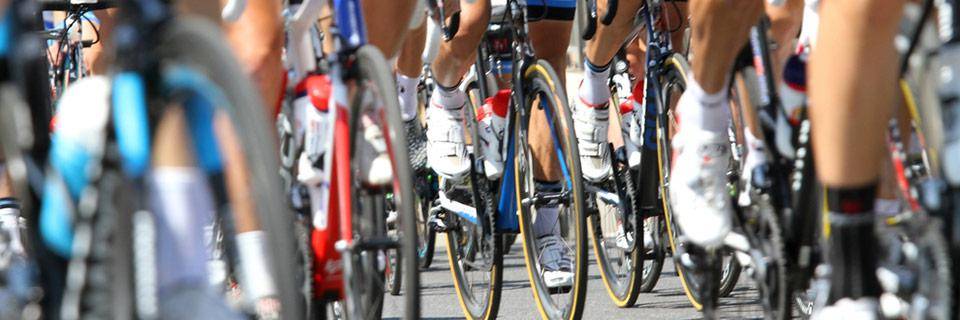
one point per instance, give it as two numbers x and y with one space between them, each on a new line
547 221
255 270
10 222
447 99
756 150
703 111
886 207
181 200
594 89
407 91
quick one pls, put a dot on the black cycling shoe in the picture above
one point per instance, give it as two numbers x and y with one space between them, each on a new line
417 139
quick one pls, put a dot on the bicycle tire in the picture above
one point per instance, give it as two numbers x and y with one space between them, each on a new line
650 274
541 82
467 241
426 190
372 67
729 274
426 236
394 267
623 289
199 44
674 76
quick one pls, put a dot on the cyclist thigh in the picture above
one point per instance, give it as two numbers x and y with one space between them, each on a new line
550 37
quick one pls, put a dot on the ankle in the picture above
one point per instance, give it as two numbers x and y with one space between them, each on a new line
449 98
593 90
852 243
701 110
407 92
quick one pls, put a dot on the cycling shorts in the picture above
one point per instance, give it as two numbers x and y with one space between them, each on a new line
562 10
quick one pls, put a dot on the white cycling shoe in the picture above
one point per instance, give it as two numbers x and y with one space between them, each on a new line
590 125
698 186
556 262
846 309
446 150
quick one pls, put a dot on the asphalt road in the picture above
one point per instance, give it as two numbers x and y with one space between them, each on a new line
667 301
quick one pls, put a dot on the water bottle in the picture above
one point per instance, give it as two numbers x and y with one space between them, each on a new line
793 96
313 130
491 119
628 122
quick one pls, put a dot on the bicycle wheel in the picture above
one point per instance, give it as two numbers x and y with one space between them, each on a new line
374 102
475 249
543 92
394 267
768 258
616 242
915 245
653 267
673 83
426 186
729 274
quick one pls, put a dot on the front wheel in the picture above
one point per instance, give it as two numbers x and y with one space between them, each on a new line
552 215
374 104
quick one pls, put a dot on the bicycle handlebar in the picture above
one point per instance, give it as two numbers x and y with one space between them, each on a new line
591 28
439 15
612 12
233 10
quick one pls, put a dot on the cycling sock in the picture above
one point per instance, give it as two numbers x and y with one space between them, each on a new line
702 110
181 200
756 150
449 98
593 89
407 91
852 244
887 207
10 222
547 221
255 272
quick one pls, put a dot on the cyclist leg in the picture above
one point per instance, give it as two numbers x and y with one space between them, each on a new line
701 149
9 210
550 37
387 23
445 141
591 109
409 64
853 82
257 40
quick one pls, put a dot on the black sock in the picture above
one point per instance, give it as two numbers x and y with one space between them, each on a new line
852 252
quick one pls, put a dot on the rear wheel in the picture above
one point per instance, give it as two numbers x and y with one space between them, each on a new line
617 244
694 282
544 93
475 249
653 266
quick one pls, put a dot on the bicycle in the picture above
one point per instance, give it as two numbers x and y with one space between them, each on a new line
349 230
67 63
162 62
477 221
